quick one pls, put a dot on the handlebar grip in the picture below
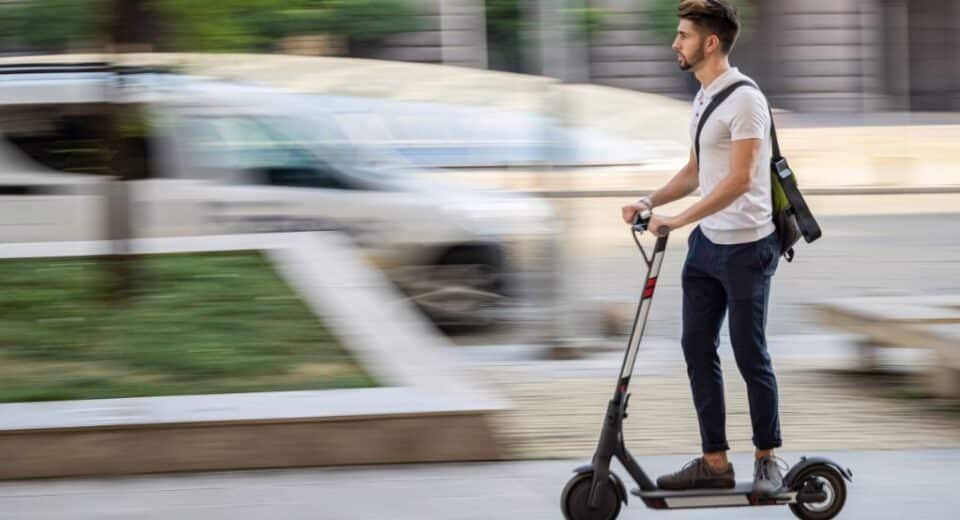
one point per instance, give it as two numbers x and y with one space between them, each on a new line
641 219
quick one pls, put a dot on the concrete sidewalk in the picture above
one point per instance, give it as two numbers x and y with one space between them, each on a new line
887 485
558 406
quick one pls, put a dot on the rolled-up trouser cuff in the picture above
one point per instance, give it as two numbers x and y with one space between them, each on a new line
767 445
712 448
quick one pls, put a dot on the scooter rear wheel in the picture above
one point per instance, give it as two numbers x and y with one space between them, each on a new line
576 494
824 479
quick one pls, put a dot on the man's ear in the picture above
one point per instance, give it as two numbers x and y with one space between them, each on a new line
712 43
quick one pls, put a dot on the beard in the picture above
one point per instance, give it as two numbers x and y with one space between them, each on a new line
694 60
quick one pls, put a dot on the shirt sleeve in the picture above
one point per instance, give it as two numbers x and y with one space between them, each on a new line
751 118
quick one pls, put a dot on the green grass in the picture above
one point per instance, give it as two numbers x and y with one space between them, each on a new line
199 323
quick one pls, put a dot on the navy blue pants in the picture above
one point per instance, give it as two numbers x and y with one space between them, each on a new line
734 280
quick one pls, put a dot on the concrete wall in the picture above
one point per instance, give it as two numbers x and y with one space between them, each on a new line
628 53
827 55
816 55
454 33
932 58
810 56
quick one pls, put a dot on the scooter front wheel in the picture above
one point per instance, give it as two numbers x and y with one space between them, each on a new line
826 482
576 494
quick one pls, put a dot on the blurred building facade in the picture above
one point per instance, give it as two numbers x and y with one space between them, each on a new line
810 55
815 55
454 34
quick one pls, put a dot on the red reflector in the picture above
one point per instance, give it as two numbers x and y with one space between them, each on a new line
648 292
656 503
651 283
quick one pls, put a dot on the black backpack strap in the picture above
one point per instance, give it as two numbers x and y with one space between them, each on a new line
720 98
773 134
714 103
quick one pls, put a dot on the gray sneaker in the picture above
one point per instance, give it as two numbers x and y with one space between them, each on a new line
697 474
767 478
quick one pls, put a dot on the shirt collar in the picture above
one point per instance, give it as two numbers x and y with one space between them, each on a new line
722 81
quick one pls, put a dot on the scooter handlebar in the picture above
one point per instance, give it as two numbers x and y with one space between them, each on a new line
642 221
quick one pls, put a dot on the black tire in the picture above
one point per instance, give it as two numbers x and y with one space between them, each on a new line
831 482
490 259
576 493
491 266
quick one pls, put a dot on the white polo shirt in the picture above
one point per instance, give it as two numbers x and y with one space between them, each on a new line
743 115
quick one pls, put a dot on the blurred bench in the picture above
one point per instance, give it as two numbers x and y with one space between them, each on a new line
927 322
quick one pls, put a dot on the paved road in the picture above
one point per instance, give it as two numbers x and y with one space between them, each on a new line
872 245
858 255
887 485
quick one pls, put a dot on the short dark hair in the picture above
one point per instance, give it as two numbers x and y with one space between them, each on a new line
718 17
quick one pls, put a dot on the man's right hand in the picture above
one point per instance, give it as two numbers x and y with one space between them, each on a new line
630 211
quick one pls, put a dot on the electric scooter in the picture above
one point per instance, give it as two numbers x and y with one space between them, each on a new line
814 488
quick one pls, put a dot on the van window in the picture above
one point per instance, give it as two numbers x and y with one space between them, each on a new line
237 149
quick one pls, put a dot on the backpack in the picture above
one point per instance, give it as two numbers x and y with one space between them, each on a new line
791 215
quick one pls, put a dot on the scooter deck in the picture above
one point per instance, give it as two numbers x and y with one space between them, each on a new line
740 495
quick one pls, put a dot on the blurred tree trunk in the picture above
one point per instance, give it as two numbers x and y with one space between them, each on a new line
128 31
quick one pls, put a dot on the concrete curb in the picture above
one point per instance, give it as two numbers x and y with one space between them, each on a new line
925 322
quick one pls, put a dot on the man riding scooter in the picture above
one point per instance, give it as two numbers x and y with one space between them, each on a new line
733 252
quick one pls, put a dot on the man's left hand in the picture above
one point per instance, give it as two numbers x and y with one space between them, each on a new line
658 221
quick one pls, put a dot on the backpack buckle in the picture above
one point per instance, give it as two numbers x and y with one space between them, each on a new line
782 168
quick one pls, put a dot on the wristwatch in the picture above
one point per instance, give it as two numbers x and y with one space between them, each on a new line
646 201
